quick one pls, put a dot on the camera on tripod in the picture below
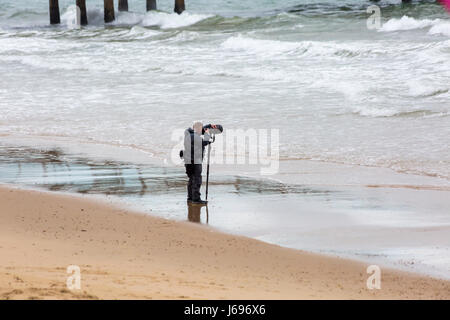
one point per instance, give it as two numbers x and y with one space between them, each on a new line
213 129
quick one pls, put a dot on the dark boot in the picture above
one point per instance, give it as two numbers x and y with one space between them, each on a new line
200 202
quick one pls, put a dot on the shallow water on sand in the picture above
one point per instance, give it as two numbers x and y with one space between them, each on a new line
395 226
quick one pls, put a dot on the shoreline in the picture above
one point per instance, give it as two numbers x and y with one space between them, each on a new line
363 221
129 153
199 219
124 254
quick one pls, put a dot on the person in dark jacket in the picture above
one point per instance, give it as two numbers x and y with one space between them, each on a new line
194 150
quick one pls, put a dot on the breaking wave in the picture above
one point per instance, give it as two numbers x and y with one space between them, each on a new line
405 23
160 19
312 48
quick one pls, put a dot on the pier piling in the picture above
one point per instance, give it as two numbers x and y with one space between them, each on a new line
123 5
109 10
82 5
151 5
179 6
54 12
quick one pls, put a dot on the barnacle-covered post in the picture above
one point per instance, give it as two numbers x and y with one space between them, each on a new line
123 5
179 6
54 12
83 14
109 10
151 5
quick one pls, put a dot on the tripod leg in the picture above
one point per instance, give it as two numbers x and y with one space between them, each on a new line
207 171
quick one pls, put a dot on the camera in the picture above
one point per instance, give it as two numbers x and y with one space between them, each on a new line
212 128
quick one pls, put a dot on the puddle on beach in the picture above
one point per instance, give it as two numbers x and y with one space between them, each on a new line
56 171
362 223
161 190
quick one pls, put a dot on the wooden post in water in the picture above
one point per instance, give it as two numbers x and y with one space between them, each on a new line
123 5
179 6
54 12
109 10
82 5
151 5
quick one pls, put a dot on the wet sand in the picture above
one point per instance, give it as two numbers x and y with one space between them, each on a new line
367 214
127 255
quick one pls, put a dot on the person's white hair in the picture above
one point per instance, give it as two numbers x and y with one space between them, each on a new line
197 124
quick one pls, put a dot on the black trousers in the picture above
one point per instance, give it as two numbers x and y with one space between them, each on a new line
194 172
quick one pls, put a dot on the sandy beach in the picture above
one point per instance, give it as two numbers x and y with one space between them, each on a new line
128 255
327 154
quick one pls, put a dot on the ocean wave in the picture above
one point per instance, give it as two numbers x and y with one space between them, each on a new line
407 23
159 19
242 17
140 33
442 29
419 89
338 9
259 46
334 49
357 9
43 63
172 20
374 112
25 13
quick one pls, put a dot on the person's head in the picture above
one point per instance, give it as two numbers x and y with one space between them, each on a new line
198 127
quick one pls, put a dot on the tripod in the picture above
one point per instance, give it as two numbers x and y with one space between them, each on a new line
213 137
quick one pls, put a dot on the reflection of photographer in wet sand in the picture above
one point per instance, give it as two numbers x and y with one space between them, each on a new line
195 213
194 149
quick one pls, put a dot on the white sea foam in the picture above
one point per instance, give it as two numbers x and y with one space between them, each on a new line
407 23
95 16
356 77
331 49
426 88
69 16
36 46
128 18
150 19
437 26
376 112
441 29
258 46
138 32
172 20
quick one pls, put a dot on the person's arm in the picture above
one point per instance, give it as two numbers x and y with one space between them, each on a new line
213 128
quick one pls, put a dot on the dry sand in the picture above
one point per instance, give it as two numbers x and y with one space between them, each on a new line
127 255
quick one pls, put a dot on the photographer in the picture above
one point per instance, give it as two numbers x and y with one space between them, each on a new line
194 149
